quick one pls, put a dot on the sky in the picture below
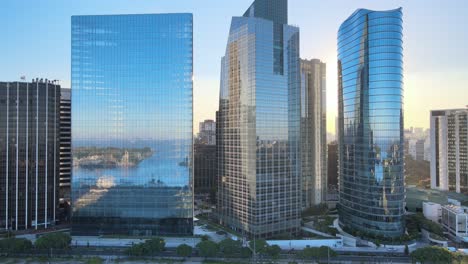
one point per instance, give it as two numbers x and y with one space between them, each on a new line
35 42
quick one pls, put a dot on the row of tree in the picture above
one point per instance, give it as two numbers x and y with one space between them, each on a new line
44 242
435 254
228 248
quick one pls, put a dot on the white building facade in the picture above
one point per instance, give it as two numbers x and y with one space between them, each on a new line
449 150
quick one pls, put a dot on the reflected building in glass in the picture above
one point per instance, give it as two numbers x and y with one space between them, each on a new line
371 160
258 129
132 124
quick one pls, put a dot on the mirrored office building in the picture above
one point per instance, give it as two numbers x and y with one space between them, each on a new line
371 160
132 124
258 130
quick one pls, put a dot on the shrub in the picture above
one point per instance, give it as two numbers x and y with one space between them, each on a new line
245 252
273 251
53 240
229 247
260 245
15 245
431 255
314 252
95 260
184 250
147 248
207 249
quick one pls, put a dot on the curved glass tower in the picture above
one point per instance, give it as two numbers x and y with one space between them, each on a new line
370 79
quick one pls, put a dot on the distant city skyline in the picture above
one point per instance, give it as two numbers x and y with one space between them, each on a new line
434 62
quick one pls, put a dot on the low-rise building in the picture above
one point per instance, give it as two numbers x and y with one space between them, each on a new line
432 211
455 221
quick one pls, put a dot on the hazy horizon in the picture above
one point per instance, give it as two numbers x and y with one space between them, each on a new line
37 44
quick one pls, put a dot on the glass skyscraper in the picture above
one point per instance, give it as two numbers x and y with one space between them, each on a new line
258 130
371 160
132 124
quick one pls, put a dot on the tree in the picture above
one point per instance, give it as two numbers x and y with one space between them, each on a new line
273 251
149 247
314 252
53 241
229 247
184 250
431 255
207 249
137 250
458 257
325 251
15 245
155 245
308 253
245 252
259 245
205 238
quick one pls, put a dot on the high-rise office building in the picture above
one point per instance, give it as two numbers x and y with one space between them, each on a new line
65 145
371 145
29 154
132 125
332 172
449 150
205 169
207 133
332 167
419 150
259 191
313 132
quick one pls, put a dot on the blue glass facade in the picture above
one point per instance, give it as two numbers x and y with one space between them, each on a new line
258 129
371 161
132 124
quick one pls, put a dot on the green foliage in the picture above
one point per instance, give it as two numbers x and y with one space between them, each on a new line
229 247
15 245
379 239
207 248
416 222
95 260
324 225
149 247
321 209
245 252
260 245
53 240
431 255
273 251
417 172
205 238
137 250
314 252
459 258
155 244
184 250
